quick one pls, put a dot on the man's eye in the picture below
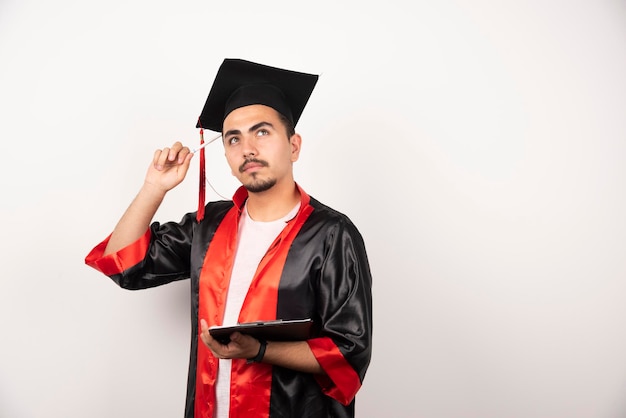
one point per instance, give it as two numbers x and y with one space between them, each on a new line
232 140
262 132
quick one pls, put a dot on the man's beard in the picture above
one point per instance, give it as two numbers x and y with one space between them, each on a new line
258 186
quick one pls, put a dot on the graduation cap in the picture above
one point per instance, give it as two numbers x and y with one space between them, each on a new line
240 83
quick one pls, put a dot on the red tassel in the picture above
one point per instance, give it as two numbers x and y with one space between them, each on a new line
201 193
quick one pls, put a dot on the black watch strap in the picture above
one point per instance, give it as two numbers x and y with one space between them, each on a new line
259 356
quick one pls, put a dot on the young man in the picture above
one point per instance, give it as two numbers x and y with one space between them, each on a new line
273 252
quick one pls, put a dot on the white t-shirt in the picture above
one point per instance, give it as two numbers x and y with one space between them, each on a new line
254 239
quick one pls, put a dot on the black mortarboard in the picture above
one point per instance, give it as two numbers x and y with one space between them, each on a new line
241 83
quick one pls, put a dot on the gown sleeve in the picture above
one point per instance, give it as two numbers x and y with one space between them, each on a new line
160 256
345 306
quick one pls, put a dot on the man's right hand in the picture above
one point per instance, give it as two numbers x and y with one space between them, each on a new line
169 167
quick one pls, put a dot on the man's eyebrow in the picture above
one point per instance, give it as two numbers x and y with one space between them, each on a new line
260 124
251 129
232 132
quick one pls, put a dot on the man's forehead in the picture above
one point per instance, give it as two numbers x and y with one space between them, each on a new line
246 117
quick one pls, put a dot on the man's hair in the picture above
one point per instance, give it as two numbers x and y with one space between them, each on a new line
291 130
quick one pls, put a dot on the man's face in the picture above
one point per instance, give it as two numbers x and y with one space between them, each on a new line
257 148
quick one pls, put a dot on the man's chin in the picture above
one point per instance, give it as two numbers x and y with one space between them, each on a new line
259 186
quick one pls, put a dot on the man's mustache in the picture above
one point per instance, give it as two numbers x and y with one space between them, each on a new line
242 167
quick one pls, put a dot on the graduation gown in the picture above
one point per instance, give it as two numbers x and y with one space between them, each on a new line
316 268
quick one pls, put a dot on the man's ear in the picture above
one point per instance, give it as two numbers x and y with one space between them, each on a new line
296 144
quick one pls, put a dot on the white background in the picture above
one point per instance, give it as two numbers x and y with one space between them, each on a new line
479 147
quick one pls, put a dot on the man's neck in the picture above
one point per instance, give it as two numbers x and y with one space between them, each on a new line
274 203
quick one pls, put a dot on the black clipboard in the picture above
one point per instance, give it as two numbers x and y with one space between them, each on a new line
274 330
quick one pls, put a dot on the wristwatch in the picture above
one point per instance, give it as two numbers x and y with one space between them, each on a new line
259 356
